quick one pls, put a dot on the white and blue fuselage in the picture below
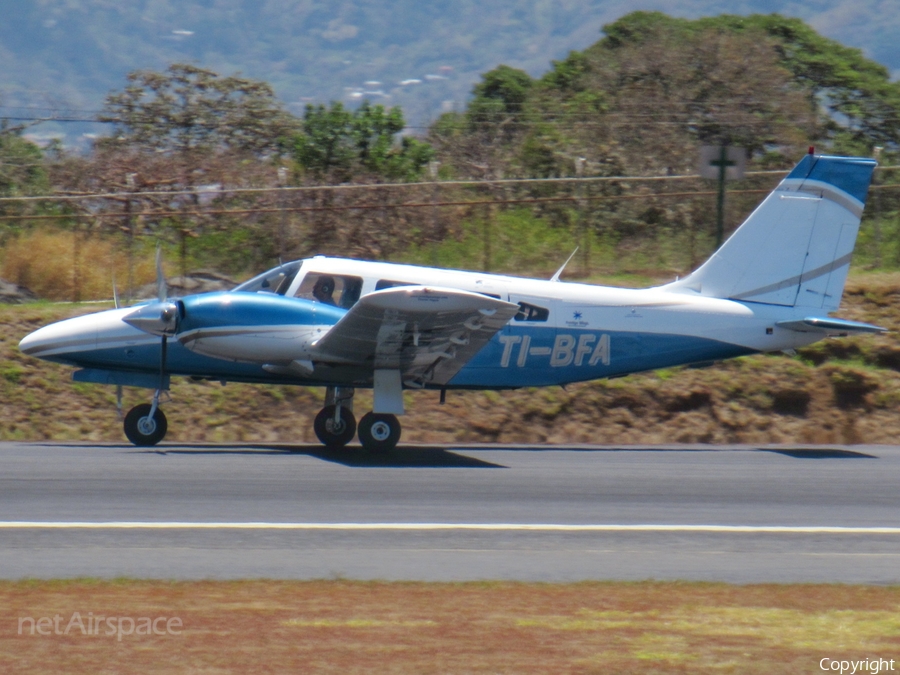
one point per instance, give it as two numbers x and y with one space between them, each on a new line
571 332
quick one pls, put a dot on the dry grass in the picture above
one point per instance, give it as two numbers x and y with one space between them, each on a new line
355 627
81 269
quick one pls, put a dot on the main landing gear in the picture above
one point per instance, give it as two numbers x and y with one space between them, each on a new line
335 425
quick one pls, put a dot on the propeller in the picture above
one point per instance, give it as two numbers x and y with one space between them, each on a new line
160 317
157 318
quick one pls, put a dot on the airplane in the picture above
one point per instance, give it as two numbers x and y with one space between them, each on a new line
349 324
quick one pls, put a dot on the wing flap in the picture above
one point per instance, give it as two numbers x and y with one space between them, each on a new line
428 333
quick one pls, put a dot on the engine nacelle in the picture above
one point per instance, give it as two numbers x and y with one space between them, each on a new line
252 327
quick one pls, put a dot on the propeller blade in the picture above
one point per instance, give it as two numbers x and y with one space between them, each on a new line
160 278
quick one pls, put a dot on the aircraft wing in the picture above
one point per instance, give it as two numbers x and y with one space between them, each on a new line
425 332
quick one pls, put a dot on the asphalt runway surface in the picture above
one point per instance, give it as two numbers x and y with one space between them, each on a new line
549 513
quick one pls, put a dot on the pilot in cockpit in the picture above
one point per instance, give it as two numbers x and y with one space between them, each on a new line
324 289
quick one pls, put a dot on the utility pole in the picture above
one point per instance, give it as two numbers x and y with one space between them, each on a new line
878 260
129 227
582 220
433 166
721 162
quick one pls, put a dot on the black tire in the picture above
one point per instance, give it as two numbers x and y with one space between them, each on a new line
379 432
325 431
141 430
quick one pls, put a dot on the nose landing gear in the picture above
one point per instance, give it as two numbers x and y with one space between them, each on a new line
145 424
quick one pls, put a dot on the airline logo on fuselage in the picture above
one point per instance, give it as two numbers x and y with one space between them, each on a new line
587 349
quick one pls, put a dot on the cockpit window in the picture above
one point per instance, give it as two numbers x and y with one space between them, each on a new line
276 280
331 289
531 313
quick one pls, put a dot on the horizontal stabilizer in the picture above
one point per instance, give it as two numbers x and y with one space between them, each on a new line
830 326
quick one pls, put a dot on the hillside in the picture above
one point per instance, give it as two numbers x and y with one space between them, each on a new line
836 391
68 54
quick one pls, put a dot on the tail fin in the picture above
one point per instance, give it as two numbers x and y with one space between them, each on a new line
795 248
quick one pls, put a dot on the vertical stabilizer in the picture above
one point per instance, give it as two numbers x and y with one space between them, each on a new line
795 248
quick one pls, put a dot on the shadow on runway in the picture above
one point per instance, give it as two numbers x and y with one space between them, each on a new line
451 455
404 456
819 453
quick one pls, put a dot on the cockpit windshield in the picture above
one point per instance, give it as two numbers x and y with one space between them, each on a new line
276 280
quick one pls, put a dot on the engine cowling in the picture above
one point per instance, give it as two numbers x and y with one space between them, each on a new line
244 327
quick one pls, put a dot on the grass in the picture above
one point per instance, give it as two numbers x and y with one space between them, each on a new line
487 627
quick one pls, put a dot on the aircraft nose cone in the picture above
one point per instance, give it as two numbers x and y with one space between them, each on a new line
61 337
29 343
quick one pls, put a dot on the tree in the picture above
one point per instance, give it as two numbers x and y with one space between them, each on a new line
21 165
500 96
337 143
187 108
860 101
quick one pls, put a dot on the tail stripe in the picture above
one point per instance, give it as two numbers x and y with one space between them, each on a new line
826 190
828 268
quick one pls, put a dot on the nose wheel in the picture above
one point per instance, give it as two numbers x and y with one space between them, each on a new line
379 432
145 424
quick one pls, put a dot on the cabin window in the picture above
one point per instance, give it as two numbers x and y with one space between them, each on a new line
528 312
331 289
276 280
381 284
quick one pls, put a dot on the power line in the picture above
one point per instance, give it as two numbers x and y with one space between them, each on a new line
368 207
121 196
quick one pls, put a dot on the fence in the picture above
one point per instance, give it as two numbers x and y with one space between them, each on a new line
70 246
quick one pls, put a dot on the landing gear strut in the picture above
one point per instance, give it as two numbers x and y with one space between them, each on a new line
145 424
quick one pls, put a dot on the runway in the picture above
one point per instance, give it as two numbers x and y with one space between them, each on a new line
548 513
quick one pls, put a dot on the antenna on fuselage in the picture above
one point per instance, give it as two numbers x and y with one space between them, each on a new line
555 277
115 290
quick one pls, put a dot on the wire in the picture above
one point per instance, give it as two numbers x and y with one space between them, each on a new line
369 186
368 207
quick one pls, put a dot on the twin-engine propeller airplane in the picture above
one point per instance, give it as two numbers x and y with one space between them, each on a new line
345 324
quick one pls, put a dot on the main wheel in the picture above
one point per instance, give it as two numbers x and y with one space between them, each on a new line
379 432
141 429
334 435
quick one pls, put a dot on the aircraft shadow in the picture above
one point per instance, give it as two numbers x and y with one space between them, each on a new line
436 456
403 456
819 453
